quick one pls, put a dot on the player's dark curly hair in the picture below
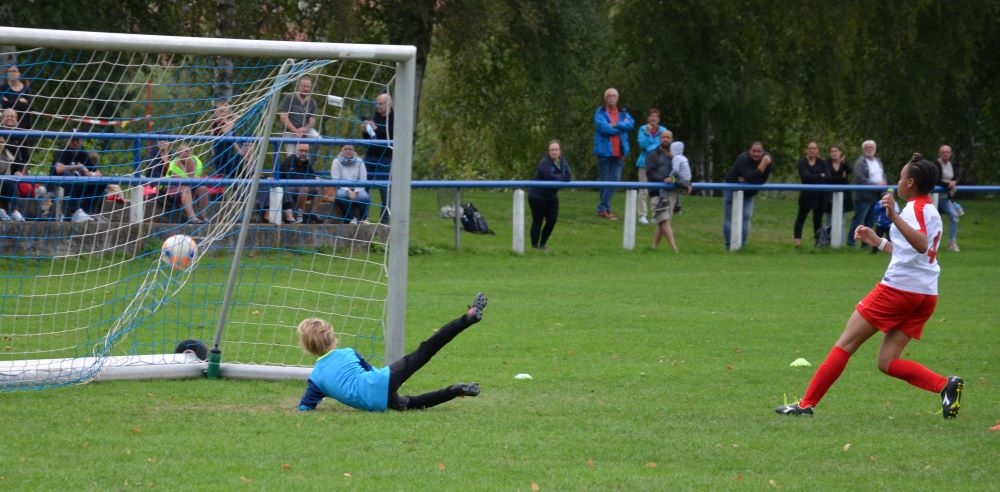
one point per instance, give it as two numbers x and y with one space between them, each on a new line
924 173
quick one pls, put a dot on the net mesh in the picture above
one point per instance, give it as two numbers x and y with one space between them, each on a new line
88 200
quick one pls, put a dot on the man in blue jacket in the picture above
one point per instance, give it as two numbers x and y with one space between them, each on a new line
611 127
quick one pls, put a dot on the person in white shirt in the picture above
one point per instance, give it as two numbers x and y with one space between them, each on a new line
901 303
352 200
868 170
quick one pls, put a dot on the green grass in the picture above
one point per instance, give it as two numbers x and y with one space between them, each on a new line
651 371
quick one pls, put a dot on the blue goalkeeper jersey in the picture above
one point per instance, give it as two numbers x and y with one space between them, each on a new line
345 376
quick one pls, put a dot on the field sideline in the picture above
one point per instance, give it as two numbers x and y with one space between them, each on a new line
651 371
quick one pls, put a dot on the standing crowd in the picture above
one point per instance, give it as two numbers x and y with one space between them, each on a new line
661 159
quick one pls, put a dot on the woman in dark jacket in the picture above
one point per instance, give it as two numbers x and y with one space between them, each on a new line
544 202
840 172
812 170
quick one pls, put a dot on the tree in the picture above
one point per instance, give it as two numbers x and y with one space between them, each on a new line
504 78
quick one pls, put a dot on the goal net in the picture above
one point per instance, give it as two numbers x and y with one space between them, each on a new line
113 143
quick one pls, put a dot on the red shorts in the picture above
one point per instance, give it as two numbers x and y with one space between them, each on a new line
888 309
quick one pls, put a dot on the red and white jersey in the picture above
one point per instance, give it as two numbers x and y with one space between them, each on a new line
909 270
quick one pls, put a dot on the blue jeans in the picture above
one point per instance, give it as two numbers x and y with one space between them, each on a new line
946 207
864 214
727 203
360 203
608 169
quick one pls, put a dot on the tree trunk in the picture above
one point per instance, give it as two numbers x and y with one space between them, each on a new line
225 25
412 22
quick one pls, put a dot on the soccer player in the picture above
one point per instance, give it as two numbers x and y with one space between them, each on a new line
901 303
345 376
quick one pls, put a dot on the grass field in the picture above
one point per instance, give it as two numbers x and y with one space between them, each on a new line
650 371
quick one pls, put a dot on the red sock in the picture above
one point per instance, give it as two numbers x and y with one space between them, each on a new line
917 375
825 376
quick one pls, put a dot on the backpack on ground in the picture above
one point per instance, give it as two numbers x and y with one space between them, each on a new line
823 237
473 221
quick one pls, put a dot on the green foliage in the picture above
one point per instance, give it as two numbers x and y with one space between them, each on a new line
651 371
502 78
737 71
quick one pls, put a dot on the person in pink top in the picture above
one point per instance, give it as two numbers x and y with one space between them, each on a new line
901 303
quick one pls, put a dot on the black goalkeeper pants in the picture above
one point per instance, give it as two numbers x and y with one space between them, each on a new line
402 369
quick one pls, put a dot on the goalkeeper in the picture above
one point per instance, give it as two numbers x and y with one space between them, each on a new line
342 374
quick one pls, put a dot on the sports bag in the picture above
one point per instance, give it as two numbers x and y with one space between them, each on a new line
473 221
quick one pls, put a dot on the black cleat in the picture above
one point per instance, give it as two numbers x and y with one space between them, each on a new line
466 389
793 409
951 397
475 312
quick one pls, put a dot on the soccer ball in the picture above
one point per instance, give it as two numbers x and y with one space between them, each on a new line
179 251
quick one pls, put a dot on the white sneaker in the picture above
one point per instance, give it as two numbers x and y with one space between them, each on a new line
3 216
643 220
953 246
16 215
354 221
81 216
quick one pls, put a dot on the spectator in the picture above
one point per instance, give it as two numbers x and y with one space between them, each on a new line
751 167
840 171
352 200
8 188
15 143
16 95
299 166
225 153
298 115
193 198
159 159
812 170
682 168
660 169
85 198
544 202
948 173
612 125
868 170
378 158
649 140
681 165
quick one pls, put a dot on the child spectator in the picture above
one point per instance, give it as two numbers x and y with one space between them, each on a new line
882 222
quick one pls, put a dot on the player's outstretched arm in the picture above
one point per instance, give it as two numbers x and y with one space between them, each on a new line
310 398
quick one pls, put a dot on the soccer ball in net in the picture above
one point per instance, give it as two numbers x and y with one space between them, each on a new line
179 251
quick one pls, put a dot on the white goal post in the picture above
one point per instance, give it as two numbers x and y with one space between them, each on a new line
104 354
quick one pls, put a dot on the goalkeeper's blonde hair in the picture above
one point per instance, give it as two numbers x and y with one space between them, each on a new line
316 336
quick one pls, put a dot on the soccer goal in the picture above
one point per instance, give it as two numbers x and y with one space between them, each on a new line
116 142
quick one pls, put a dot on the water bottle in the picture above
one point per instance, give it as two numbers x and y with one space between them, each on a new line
371 130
